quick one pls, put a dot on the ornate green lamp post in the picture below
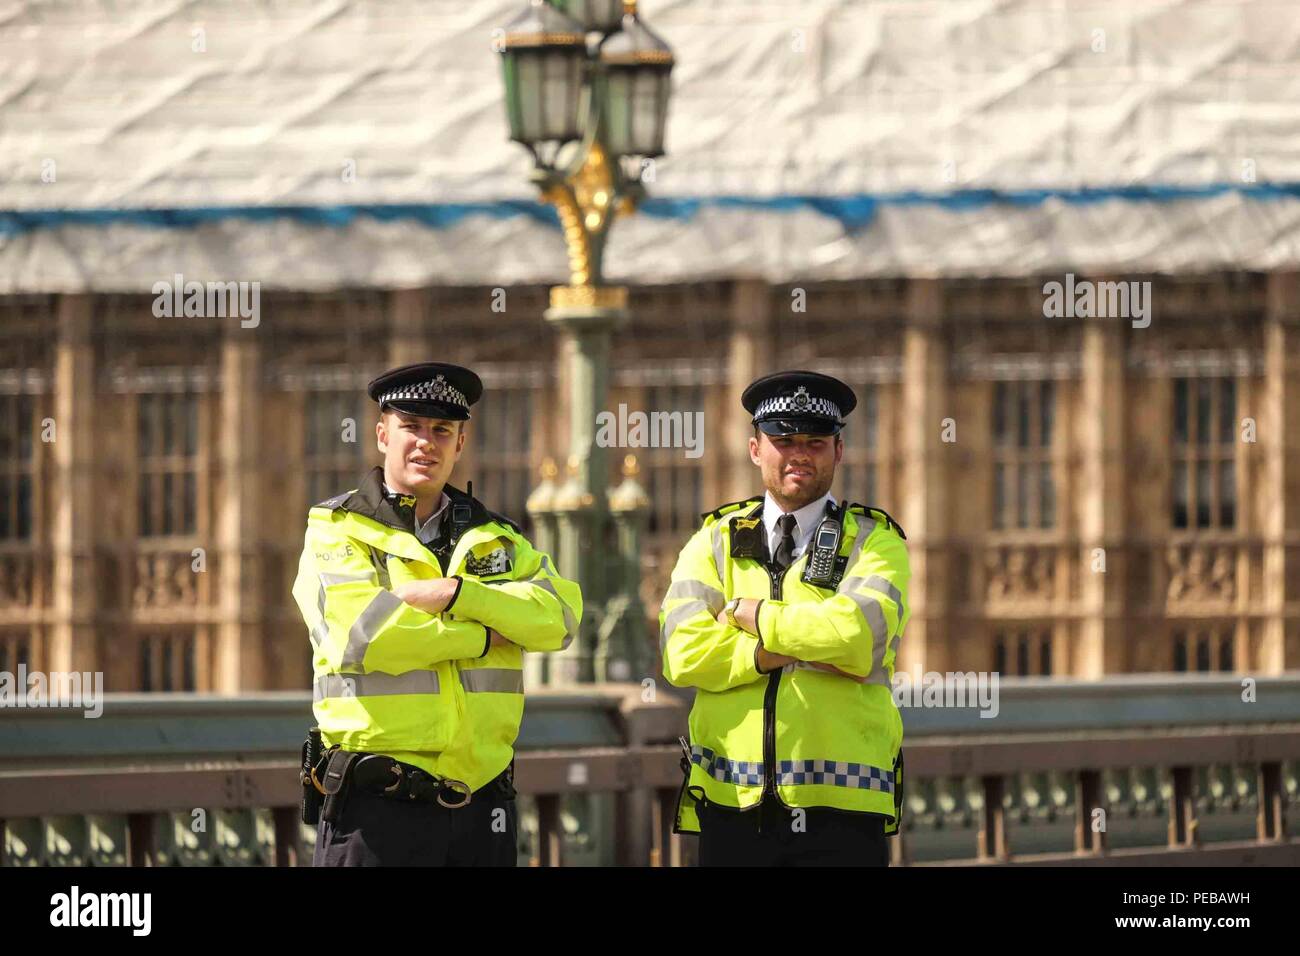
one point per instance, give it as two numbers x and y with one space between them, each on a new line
587 90
620 652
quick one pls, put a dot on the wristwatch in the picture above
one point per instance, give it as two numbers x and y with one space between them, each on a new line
731 611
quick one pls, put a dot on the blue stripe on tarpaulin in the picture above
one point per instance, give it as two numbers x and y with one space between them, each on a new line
433 215
854 212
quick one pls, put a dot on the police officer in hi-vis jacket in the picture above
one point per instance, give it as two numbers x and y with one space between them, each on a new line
784 613
419 603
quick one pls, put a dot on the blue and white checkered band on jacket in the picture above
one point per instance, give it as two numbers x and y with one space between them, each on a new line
798 403
437 389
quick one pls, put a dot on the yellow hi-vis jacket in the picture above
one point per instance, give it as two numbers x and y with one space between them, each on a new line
426 689
805 736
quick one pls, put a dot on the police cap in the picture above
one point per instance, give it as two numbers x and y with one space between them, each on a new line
429 389
799 403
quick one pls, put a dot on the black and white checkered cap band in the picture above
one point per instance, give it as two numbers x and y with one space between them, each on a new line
435 390
786 404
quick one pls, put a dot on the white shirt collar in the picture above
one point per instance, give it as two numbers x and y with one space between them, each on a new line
428 530
806 519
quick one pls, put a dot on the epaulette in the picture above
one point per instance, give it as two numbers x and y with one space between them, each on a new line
889 520
729 507
332 504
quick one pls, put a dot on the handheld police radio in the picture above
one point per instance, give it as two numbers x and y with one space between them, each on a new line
461 514
823 568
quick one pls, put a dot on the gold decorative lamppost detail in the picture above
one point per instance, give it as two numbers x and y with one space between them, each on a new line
585 204
587 89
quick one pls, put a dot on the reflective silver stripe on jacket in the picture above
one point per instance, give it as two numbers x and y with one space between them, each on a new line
367 626
875 616
719 553
682 612
687 588
492 680
375 685
328 578
705 598
570 622
876 582
864 532
886 587
321 631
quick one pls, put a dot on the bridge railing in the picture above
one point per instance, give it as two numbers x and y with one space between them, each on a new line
199 779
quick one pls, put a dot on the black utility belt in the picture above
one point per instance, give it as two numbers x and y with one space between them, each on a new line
383 776
328 776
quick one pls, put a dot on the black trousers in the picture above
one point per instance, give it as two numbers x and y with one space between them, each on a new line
379 831
772 835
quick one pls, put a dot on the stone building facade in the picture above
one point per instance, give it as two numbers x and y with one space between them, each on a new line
1081 497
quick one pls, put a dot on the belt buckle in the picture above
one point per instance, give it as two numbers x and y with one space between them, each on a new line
396 768
457 786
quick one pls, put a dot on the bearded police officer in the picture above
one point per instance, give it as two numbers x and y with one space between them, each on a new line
785 612
420 603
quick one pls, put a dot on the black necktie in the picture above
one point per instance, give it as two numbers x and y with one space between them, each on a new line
784 556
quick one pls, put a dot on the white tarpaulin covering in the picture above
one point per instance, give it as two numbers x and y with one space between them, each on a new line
947 137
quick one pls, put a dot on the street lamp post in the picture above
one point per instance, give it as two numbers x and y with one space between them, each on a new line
587 89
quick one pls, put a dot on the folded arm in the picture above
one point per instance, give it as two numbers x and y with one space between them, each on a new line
852 629
358 625
699 650
535 607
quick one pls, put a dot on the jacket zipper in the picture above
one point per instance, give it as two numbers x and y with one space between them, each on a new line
769 708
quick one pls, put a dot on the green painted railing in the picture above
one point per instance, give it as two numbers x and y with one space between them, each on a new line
1176 764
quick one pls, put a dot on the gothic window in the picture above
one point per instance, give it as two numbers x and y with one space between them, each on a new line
1204 493
167 426
1024 492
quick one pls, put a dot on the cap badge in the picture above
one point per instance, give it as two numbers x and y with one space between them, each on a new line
801 397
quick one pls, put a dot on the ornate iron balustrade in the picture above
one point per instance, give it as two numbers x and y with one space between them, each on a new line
130 786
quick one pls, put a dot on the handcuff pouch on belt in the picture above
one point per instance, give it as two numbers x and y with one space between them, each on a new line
335 782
